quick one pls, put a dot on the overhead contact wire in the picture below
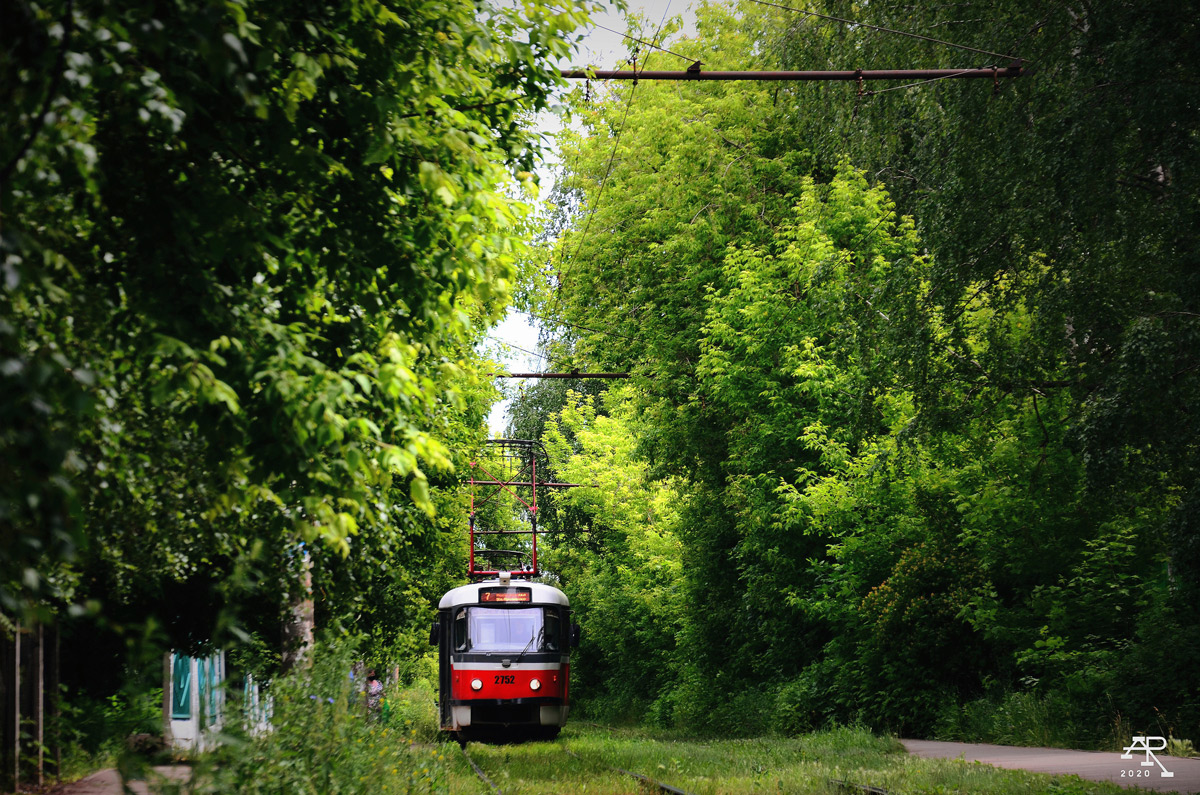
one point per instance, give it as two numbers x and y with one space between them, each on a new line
882 29
603 181
613 155
913 85
651 45
577 325
517 347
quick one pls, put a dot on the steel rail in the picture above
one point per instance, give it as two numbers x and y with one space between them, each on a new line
994 73
479 771
660 786
868 789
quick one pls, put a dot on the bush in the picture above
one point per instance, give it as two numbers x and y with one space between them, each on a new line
799 706
1021 718
323 742
413 710
94 730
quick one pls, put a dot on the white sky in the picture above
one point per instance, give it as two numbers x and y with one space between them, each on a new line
602 49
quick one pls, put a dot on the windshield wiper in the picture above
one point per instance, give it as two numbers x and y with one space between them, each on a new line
537 637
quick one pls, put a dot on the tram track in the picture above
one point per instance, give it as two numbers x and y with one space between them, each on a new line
479 772
649 784
658 785
841 785
647 781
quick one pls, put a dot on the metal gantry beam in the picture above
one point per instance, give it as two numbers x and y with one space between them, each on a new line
994 73
561 375
542 483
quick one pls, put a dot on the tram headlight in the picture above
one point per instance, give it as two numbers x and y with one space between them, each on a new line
535 684
477 684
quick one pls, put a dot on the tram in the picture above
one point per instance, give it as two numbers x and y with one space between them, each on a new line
504 641
504 660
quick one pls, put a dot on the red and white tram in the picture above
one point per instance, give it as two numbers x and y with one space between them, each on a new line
504 660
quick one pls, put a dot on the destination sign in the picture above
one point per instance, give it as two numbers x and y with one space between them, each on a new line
505 594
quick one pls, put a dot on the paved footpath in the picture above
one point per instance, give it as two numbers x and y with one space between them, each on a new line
108 782
1090 765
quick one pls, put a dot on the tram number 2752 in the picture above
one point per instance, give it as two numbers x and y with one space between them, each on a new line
505 679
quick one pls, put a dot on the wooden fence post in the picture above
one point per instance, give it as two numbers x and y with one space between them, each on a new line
168 684
39 704
56 701
16 702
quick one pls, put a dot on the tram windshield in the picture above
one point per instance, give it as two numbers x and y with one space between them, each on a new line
495 629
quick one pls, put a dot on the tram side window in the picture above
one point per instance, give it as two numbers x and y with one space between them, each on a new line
553 631
460 630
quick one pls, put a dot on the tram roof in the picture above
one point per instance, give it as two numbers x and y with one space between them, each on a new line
469 594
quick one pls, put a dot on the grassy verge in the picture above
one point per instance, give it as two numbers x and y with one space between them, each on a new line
715 767
326 744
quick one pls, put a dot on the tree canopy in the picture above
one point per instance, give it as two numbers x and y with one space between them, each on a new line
909 438
248 252
918 360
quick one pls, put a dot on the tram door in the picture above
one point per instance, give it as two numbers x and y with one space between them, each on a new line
445 640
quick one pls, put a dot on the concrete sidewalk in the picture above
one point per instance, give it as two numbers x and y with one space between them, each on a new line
108 782
1090 765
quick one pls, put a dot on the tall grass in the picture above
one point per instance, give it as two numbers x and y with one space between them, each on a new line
1050 720
812 764
94 731
324 742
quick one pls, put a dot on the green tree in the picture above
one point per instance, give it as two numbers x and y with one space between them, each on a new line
967 430
247 255
1066 195
621 563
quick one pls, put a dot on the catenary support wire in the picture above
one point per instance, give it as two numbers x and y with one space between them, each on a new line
988 73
